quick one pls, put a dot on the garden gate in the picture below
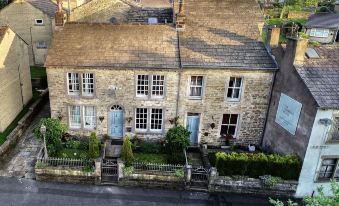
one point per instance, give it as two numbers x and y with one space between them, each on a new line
109 171
199 177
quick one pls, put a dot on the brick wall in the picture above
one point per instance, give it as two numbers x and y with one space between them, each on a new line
20 16
252 106
14 69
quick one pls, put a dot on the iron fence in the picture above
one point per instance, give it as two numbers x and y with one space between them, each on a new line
162 169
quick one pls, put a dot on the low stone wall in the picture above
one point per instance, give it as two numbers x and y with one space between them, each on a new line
23 124
65 175
298 14
252 186
153 181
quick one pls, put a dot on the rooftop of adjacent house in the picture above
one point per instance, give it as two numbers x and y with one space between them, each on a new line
107 45
155 3
323 20
46 6
3 30
321 76
223 34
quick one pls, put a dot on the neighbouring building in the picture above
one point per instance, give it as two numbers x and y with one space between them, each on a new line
15 77
323 28
34 21
124 11
211 70
304 111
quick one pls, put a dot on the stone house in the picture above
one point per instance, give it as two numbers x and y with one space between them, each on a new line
323 28
123 11
15 77
34 21
212 71
304 111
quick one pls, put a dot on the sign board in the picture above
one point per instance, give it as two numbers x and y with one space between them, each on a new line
288 113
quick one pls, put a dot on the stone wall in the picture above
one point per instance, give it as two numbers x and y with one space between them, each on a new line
252 186
298 14
252 107
15 78
21 16
65 175
23 124
164 15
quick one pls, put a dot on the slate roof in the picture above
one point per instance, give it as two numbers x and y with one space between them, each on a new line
122 46
46 6
323 20
321 76
3 30
223 33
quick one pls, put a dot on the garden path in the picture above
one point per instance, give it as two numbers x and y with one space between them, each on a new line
20 162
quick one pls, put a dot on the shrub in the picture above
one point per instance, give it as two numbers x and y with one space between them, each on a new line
54 131
127 152
177 139
94 151
149 147
73 144
258 164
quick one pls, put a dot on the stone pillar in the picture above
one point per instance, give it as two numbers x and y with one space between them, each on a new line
188 173
213 176
98 163
121 166
273 37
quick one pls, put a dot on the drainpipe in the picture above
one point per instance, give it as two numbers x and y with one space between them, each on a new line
30 30
179 76
20 84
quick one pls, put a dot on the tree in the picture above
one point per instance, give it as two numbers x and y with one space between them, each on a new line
311 3
177 139
127 152
54 132
319 200
94 151
3 3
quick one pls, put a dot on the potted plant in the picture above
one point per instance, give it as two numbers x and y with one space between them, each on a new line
227 145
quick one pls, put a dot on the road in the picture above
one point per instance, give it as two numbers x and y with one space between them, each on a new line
26 192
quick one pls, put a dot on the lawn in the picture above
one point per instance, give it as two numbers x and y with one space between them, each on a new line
38 72
150 158
11 127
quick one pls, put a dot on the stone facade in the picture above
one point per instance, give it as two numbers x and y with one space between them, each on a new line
15 77
21 15
118 11
251 108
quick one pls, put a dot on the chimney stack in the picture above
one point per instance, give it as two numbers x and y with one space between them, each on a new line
181 17
59 15
273 36
296 49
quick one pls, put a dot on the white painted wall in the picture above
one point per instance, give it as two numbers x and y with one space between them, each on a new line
317 148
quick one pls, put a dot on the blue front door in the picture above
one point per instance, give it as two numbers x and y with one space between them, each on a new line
193 127
116 123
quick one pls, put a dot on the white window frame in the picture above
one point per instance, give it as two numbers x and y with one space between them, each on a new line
320 33
159 79
145 119
90 117
149 112
196 86
146 86
86 77
233 88
335 169
236 125
37 23
153 20
158 119
41 45
74 81
72 117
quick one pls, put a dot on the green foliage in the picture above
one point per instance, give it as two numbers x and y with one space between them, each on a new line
73 144
180 173
84 145
3 3
177 139
94 150
270 181
149 147
54 131
128 170
314 43
38 72
303 35
318 200
257 164
73 153
40 165
151 158
127 152
310 3
88 169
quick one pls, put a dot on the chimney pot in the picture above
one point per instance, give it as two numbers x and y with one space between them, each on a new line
180 17
300 50
273 36
59 15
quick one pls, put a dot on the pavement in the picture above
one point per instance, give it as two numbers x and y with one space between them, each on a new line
21 160
25 192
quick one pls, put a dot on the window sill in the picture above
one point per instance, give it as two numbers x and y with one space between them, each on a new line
233 100
194 98
41 48
331 141
148 132
39 24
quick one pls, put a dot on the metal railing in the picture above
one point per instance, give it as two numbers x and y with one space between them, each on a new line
153 168
63 162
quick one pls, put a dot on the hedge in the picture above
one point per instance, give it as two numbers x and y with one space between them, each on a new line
258 164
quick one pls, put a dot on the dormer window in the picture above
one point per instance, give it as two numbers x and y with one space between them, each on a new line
322 33
39 22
